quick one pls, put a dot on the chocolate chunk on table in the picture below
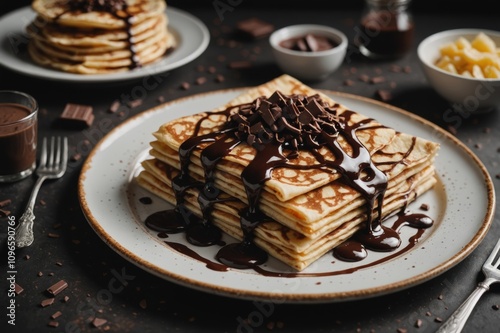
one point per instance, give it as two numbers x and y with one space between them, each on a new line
254 28
76 116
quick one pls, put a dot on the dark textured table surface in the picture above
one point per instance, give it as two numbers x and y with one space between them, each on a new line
66 247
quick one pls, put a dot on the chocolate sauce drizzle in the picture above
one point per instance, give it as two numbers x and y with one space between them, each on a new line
117 8
278 128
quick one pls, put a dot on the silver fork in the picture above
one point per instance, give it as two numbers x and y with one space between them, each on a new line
52 165
491 270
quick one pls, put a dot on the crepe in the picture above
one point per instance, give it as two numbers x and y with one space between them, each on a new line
309 206
90 37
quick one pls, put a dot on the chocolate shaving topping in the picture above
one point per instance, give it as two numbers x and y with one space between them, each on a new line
109 6
296 120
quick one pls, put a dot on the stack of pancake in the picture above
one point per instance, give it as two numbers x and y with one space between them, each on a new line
98 36
311 210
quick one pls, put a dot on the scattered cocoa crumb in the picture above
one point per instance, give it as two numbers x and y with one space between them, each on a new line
58 263
66 299
46 302
384 95
76 157
18 289
407 69
76 241
418 323
43 202
53 235
241 64
348 82
201 80
402 330
219 78
440 297
143 304
211 69
97 322
280 324
438 320
200 68
53 323
40 274
56 314
27 257
497 176
185 86
377 79
486 130
452 130
478 145
496 307
114 106
4 213
135 103
395 68
428 314
365 78
160 99
221 58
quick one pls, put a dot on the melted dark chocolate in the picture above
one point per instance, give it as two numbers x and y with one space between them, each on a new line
279 127
117 8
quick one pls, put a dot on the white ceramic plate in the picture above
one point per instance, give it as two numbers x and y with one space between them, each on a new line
461 204
192 35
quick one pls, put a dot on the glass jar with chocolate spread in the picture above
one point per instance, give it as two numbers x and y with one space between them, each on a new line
386 29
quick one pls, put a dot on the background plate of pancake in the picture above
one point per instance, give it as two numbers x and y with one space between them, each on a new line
461 219
33 46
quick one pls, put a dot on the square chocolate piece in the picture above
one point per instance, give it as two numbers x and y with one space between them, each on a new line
76 116
255 28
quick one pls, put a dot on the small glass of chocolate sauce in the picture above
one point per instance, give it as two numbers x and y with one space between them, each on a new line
386 29
18 135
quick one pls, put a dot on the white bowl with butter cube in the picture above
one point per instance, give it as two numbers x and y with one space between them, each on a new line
463 66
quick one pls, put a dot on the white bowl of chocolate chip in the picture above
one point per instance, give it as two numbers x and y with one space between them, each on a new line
308 51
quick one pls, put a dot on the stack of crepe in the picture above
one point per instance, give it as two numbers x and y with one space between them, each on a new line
313 210
94 37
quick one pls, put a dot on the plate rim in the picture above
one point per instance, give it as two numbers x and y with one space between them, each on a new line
152 69
285 297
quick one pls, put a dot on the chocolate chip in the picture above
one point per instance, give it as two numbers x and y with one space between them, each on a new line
254 28
57 287
76 116
424 207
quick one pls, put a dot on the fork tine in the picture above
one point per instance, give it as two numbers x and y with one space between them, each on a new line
65 152
43 155
494 255
58 152
52 152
